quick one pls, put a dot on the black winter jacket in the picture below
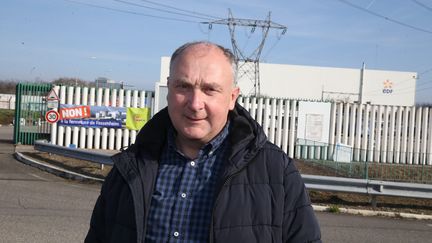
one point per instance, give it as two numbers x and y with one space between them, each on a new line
260 197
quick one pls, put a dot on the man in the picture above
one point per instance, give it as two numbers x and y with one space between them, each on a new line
202 170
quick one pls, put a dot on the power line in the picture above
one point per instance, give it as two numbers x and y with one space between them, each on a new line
385 17
278 38
240 55
423 5
424 89
416 91
161 10
426 71
131 12
179 9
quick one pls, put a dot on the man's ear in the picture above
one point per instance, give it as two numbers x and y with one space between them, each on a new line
234 95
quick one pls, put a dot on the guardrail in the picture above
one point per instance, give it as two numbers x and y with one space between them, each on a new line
312 182
76 153
369 187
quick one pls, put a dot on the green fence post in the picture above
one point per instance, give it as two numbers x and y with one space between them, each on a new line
17 113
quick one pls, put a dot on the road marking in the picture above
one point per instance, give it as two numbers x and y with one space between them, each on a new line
34 175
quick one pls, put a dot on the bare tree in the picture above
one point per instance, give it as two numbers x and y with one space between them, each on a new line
72 82
8 86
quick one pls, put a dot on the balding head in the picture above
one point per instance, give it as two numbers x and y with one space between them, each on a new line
198 46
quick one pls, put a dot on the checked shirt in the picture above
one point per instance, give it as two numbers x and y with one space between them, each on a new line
182 201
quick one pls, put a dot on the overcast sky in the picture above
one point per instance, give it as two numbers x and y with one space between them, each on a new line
124 39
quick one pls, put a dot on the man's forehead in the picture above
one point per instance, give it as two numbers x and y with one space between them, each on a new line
200 50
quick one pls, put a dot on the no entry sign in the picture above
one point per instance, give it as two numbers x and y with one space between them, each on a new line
52 116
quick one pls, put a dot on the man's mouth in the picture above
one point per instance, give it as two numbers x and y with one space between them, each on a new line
194 118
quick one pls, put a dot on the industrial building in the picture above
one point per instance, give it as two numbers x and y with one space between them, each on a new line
327 83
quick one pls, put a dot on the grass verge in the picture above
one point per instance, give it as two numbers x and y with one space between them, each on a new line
6 116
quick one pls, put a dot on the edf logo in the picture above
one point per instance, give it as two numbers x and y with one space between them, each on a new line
388 85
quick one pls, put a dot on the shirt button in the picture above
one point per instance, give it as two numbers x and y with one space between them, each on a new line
211 152
192 163
176 234
183 195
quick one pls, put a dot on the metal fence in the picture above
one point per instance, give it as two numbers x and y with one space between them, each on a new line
375 171
30 109
339 163
376 133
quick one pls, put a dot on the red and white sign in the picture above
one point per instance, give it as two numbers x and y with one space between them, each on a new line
52 116
52 95
75 112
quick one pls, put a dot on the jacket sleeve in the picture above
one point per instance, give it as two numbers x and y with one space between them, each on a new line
97 228
95 233
300 223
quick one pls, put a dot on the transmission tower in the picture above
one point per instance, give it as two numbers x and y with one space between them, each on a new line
248 65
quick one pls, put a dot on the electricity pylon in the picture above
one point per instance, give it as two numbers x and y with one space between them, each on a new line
248 65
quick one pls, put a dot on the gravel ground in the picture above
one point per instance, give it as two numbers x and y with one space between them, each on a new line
357 201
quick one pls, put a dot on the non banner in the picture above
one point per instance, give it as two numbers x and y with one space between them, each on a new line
95 123
92 116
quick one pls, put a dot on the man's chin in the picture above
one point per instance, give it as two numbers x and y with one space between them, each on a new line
194 136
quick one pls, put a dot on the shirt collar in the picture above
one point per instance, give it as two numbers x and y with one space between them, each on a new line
208 148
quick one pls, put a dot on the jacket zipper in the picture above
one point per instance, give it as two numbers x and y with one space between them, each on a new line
148 205
217 198
143 233
148 210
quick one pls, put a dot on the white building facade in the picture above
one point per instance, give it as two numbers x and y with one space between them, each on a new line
7 101
327 83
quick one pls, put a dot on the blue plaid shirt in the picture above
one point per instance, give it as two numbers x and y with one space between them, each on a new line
182 201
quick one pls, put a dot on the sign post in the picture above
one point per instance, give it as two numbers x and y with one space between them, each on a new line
52 116
52 100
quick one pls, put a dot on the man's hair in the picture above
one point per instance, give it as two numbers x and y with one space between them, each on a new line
227 53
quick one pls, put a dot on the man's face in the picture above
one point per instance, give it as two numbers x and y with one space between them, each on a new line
200 93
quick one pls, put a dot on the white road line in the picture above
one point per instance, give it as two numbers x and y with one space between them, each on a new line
34 175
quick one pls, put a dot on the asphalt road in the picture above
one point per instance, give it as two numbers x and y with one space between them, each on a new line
38 207
359 229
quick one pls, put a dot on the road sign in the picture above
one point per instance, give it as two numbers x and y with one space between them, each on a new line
52 116
52 95
52 104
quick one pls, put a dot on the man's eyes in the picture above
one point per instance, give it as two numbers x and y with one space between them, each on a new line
182 86
209 89
205 89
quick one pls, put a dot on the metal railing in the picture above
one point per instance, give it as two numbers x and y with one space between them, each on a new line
368 187
76 153
339 160
312 182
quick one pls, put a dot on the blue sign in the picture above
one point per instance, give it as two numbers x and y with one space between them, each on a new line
95 123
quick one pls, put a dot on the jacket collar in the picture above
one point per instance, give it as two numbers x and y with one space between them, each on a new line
246 137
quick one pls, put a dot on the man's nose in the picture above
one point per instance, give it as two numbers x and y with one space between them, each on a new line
196 101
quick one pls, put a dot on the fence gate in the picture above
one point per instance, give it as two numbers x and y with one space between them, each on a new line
30 109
